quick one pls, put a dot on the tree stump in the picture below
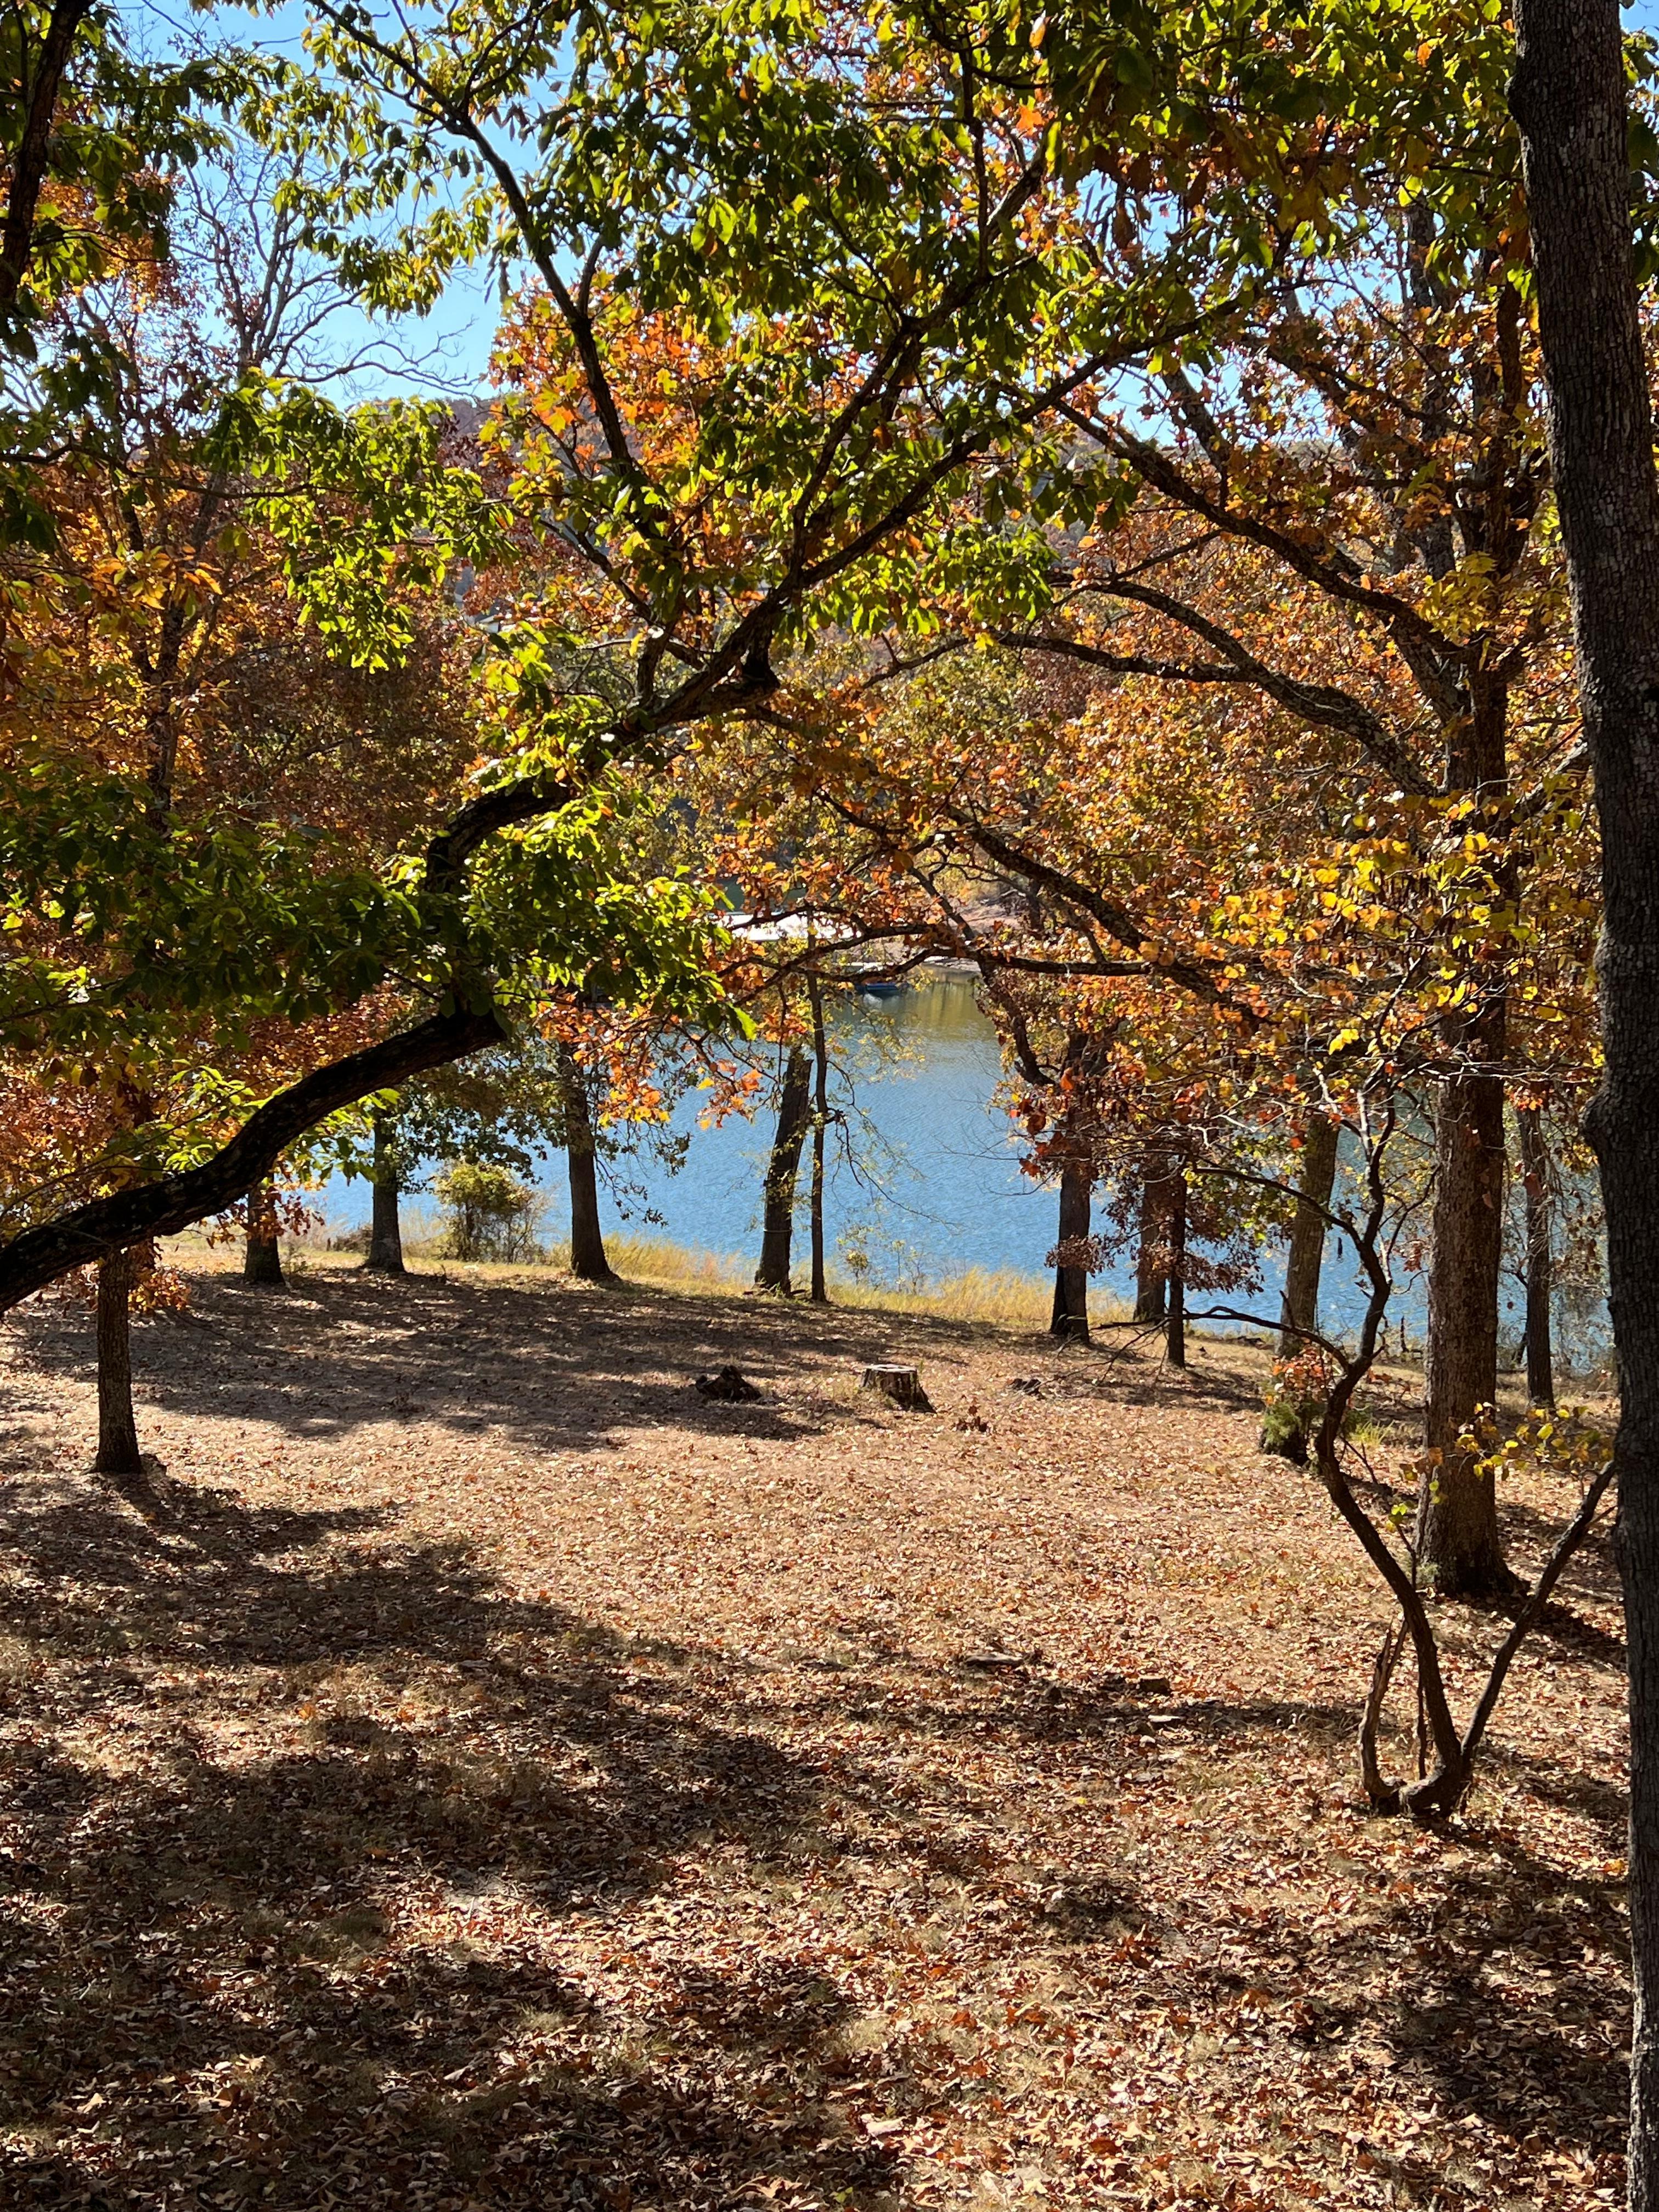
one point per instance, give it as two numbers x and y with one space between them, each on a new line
902 1384
729 1385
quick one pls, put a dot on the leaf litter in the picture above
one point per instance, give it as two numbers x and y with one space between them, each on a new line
481 1772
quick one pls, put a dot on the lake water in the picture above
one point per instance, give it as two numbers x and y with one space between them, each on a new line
924 1178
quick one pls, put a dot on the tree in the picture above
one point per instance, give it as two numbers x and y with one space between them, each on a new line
587 1255
1072 1254
1151 1282
89 135
718 434
385 1255
1299 1311
1538 1254
820 1288
492 1215
118 1431
92 136
132 1281
1057 1058
1176 1327
262 1261
166 704
1334 510
778 1222
1570 101
37 72
1330 1375
1409 513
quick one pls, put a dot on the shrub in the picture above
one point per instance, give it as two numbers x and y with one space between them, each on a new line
1294 1404
491 1215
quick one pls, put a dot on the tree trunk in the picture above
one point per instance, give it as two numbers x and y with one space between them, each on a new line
1456 1537
1175 1336
794 1108
41 77
1299 1306
1540 1257
262 1261
1071 1309
118 1431
1569 97
386 1233
588 1256
1152 1280
820 1124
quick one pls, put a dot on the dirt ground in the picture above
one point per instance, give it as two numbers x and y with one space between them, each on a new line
484 1774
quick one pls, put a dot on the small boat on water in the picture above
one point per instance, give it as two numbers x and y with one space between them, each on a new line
876 986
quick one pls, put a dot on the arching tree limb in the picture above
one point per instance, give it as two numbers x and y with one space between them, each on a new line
161 1208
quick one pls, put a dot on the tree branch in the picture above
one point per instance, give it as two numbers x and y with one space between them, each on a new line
92 1233
1323 704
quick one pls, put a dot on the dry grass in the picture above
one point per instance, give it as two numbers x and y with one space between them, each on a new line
1000 1297
659 1260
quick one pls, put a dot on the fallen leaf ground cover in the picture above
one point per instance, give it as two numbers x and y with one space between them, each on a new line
479 1772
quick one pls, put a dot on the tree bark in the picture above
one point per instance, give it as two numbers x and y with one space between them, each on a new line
1176 1333
795 1108
1152 1280
902 1384
820 1124
385 1231
33 157
1540 1256
1071 1308
1299 1306
1457 1537
587 1254
1569 99
118 1431
262 1260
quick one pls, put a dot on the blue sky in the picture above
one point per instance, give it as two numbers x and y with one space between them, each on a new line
455 341
454 344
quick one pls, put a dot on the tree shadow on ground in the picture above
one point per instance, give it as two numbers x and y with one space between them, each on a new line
1590 1578
322 1847
1130 1369
1115 1712
1441 2017
1127 1380
1555 2064
552 1367
210 1990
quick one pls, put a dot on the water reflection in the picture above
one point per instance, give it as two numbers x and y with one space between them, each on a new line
924 1174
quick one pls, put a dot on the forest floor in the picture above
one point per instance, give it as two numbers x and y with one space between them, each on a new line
481 1773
